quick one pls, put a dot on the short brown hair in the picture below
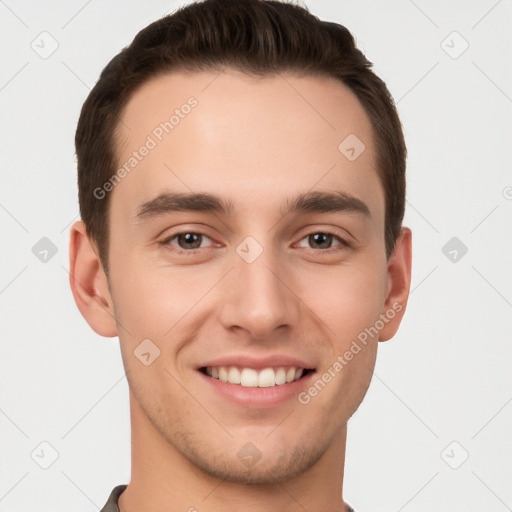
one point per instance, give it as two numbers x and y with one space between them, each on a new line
258 37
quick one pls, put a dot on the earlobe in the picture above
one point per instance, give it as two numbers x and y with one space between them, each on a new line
89 283
399 282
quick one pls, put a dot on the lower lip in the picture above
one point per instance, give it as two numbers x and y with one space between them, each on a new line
254 397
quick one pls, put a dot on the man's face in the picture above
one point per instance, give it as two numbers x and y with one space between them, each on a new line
253 287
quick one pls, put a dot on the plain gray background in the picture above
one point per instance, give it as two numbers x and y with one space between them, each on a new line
434 431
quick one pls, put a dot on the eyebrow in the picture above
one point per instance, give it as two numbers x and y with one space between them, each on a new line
309 202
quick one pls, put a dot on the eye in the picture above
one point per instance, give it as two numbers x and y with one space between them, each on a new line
187 241
324 240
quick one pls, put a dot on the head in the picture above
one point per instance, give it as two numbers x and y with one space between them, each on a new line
241 175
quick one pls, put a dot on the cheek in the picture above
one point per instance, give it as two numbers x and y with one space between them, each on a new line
351 305
347 300
146 306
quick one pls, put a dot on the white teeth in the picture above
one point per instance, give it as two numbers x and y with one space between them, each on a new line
248 377
234 375
223 374
267 378
280 376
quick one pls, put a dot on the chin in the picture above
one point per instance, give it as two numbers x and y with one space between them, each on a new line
263 469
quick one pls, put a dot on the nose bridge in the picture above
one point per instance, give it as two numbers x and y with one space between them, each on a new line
258 299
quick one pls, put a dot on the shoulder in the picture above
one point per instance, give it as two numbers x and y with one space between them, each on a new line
111 504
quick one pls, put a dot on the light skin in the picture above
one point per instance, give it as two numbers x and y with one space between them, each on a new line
254 142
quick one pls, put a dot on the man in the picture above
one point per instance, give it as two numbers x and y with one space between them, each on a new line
242 186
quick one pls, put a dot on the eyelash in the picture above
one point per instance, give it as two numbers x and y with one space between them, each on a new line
341 246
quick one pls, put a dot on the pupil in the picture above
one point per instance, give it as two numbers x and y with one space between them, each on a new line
322 239
189 239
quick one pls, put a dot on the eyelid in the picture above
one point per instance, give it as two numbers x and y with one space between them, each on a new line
167 240
343 243
343 240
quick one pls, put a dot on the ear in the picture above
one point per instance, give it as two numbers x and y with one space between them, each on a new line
89 283
399 282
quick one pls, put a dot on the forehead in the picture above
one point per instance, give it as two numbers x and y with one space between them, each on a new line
243 136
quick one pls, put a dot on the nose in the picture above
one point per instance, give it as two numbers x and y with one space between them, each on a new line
259 298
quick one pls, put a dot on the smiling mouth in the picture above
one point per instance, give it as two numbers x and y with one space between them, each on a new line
249 377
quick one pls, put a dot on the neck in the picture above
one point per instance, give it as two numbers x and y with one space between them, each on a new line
162 479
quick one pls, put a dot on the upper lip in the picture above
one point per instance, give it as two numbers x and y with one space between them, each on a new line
259 363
